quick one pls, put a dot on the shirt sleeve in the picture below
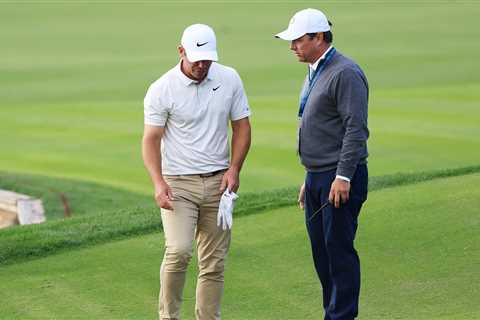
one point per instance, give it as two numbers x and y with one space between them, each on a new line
342 178
240 108
154 107
352 104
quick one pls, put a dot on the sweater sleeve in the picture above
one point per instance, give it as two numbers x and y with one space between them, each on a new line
351 95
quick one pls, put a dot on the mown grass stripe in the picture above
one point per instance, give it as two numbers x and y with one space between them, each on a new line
28 242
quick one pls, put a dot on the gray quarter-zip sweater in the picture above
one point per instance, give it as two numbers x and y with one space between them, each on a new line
333 130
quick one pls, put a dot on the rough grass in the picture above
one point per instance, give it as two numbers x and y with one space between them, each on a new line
418 246
82 196
28 242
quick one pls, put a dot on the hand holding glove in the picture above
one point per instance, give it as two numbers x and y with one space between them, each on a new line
225 209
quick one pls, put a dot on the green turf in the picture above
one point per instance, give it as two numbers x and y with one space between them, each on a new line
82 197
73 76
88 197
418 250
115 214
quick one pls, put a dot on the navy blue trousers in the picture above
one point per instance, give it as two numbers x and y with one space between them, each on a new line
332 233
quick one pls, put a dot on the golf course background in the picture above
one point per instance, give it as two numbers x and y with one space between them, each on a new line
72 79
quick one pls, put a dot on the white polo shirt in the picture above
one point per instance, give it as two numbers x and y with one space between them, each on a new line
195 117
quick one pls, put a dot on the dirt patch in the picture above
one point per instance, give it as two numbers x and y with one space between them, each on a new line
7 219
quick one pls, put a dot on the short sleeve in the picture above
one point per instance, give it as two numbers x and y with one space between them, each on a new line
154 107
240 108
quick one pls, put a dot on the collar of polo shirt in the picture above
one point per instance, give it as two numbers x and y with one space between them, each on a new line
187 81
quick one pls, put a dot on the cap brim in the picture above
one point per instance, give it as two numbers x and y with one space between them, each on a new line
289 35
202 55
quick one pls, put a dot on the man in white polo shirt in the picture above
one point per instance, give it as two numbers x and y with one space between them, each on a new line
186 152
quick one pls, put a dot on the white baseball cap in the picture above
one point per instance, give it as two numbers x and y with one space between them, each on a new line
305 21
200 43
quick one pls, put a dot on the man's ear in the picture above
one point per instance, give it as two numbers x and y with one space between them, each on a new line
181 51
320 36
319 40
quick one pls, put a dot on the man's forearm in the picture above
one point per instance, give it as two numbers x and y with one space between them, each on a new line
152 158
352 105
241 138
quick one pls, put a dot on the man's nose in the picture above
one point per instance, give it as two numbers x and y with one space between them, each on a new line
292 45
202 64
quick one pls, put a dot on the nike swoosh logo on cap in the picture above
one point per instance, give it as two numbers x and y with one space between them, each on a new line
214 89
201 44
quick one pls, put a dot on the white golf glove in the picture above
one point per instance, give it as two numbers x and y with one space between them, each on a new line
225 209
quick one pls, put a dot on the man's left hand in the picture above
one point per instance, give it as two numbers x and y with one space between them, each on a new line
339 192
230 180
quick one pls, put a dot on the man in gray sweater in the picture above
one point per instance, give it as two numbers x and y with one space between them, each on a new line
332 144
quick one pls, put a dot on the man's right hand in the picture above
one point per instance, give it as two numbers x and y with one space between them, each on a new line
164 196
301 196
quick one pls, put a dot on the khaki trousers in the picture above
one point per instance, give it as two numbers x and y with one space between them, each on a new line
194 215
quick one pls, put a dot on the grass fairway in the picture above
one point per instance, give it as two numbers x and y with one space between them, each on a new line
418 252
73 76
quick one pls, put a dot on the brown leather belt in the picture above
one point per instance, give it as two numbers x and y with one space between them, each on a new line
211 174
